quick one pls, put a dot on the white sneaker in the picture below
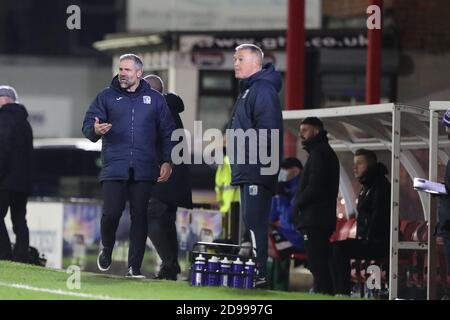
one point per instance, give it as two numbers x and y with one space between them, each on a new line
134 273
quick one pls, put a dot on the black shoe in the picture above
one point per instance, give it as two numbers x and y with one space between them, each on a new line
261 283
134 273
167 273
104 260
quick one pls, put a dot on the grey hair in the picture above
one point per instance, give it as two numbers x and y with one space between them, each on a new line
254 49
16 97
155 82
135 58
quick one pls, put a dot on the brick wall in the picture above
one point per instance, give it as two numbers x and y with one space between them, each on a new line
423 25
348 8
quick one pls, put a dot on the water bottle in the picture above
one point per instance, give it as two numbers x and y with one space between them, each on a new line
237 269
213 271
197 271
225 269
249 273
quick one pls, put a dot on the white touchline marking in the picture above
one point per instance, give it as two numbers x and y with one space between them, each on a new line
60 292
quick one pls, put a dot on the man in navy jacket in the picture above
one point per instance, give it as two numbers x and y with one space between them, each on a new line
257 109
130 118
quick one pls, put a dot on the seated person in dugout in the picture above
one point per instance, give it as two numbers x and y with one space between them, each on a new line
373 220
283 201
284 239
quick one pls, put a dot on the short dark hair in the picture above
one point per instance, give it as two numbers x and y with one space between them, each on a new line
370 156
313 121
292 162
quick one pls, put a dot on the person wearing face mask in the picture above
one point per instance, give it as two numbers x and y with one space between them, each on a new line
314 210
281 209
372 222
284 238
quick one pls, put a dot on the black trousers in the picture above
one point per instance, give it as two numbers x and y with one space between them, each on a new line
17 202
115 195
255 204
318 250
162 231
447 253
344 251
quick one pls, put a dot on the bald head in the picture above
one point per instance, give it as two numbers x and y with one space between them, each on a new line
155 82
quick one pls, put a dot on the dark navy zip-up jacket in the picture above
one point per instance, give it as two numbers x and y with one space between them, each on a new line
257 107
139 119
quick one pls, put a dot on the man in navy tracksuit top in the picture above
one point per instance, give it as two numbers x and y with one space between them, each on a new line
130 118
257 108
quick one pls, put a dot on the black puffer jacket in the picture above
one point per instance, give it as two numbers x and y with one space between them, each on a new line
177 190
16 148
374 206
316 197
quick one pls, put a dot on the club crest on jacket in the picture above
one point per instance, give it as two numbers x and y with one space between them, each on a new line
147 99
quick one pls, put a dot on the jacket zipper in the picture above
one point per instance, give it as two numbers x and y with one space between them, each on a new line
132 137
233 113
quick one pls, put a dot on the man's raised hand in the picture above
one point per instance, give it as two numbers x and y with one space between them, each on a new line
101 128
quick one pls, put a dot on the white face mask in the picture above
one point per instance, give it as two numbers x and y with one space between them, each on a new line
283 175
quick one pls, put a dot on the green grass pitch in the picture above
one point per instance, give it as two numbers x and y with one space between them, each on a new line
26 282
